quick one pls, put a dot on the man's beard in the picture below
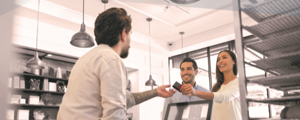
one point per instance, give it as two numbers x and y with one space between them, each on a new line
125 53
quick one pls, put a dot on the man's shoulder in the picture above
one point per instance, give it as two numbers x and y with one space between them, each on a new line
103 51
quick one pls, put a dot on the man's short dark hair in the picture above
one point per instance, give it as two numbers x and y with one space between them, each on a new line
110 24
195 66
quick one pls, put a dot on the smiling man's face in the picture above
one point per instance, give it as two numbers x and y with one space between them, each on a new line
187 72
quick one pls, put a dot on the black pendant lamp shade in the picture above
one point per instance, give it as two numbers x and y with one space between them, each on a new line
36 62
184 1
150 81
82 39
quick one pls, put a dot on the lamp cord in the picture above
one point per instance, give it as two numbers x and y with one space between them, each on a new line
37 29
104 6
181 44
83 13
149 48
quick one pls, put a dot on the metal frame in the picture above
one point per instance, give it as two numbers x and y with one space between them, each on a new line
209 68
268 95
240 60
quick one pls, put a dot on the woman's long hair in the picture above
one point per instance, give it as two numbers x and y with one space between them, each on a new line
219 74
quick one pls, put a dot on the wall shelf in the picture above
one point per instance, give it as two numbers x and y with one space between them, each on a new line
39 76
33 105
36 91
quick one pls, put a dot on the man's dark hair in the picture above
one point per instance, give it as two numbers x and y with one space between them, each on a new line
195 66
110 24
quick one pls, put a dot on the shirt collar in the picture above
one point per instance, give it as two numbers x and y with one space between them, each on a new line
107 47
195 85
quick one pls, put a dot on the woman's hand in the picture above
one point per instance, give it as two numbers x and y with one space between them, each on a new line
187 89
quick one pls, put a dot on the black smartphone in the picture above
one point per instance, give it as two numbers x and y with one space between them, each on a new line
177 86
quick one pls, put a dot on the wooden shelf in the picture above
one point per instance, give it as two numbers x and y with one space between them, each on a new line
39 76
36 91
33 105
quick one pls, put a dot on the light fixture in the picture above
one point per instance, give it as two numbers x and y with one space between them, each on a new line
173 4
36 62
150 81
104 2
167 8
184 1
82 39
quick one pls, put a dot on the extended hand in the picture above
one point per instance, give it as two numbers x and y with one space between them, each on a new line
187 89
162 92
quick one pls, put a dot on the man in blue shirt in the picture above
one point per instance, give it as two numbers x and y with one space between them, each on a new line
188 71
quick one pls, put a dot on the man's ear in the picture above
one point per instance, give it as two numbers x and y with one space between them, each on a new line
123 35
196 72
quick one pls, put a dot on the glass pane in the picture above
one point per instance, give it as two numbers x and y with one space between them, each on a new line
257 110
213 63
253 71
175 75
202 78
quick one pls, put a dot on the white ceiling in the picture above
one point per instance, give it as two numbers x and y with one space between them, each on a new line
207 20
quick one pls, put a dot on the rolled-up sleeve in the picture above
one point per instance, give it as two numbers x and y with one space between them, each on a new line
229 93
130 99
113 90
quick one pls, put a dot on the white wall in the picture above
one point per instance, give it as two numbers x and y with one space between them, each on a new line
139 59
24 33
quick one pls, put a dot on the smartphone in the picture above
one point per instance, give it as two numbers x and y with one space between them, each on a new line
177 86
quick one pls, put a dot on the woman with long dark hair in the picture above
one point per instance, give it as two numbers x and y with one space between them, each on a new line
225 93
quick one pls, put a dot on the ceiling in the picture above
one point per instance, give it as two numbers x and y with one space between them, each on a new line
60 19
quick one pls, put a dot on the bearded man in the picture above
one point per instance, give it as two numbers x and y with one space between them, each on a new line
98 80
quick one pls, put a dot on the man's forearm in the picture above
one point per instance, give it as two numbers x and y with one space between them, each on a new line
144 96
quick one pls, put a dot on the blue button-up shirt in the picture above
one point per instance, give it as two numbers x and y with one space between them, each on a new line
178 97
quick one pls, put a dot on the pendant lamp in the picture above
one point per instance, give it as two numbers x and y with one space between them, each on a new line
82 39
36 62
150 81
104 2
